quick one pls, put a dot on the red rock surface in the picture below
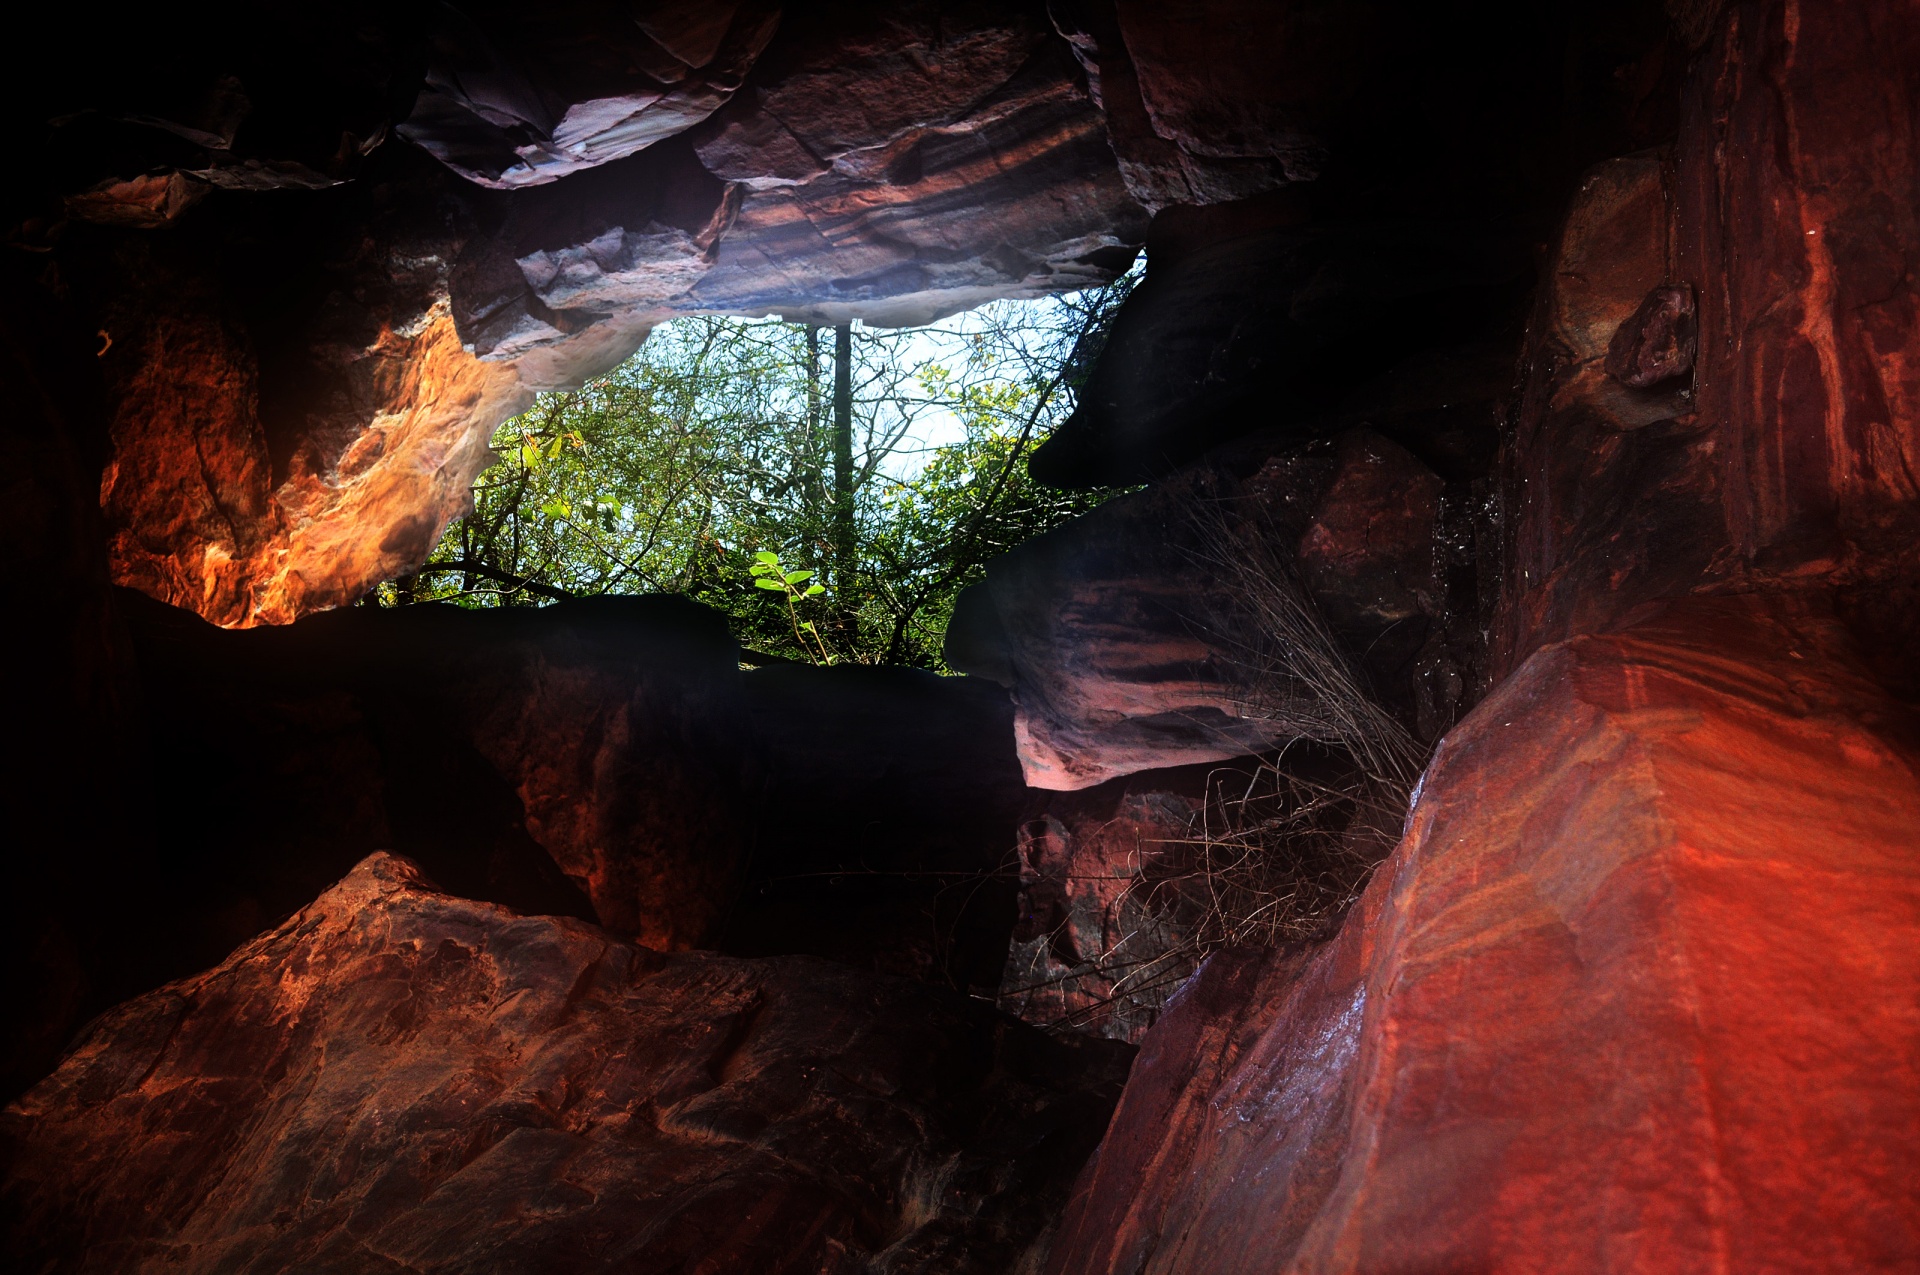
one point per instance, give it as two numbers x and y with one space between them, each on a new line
1097 948
396 1079
1637 991
1789 460
1114 632
210 509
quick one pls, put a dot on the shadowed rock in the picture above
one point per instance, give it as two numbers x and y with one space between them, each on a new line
396 1079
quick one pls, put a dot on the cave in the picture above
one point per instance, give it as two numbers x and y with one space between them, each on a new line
1450 802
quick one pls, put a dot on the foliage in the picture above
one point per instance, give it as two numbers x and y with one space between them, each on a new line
682 470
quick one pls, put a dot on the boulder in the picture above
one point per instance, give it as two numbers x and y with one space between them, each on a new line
1100 945
1252 319
1118 633
397 1079
883 805
1779 457
601 759
1636 991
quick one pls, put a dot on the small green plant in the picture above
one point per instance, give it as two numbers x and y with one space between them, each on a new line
793 586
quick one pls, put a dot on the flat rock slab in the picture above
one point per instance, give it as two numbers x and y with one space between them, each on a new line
396 1079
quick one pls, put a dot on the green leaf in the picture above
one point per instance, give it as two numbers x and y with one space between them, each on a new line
760 569
775 585
795 577
813 590
768 556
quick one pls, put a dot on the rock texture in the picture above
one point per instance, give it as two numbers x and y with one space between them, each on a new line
1252 319
1098 947
1636 991
396 1079
514 99
1784 458
1116 633
309 329
605 760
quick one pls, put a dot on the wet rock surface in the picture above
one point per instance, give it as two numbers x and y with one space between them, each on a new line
1596 935
398 1079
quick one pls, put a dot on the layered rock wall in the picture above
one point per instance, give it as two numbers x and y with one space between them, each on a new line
1636 988
1636 991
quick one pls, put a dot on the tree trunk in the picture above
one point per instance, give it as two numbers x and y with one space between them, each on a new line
844 546
813 447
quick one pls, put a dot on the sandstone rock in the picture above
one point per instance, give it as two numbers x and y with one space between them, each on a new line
612 248
848 81
1158 172
1097 947
1114 632
603 759
1786 462
1018 196
398 1079
255 502
1589 1015
1253 321
515 99
1210 82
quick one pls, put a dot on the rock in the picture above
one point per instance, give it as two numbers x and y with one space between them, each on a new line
1016 197
602 759
1250 321
848 82
1658 342
1777 466
1115 632
883 805
582 759
1588 1016
257 476
1158 172
398 1079
1211 85
611 248
514 99
1098 948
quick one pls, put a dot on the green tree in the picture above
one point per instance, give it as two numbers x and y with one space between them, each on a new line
715 446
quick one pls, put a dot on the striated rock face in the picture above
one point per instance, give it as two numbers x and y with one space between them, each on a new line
253 480
515 99
1783 458
396 1079
1115 632
1636 991
306 347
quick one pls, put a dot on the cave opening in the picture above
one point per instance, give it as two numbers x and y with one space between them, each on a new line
714 463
